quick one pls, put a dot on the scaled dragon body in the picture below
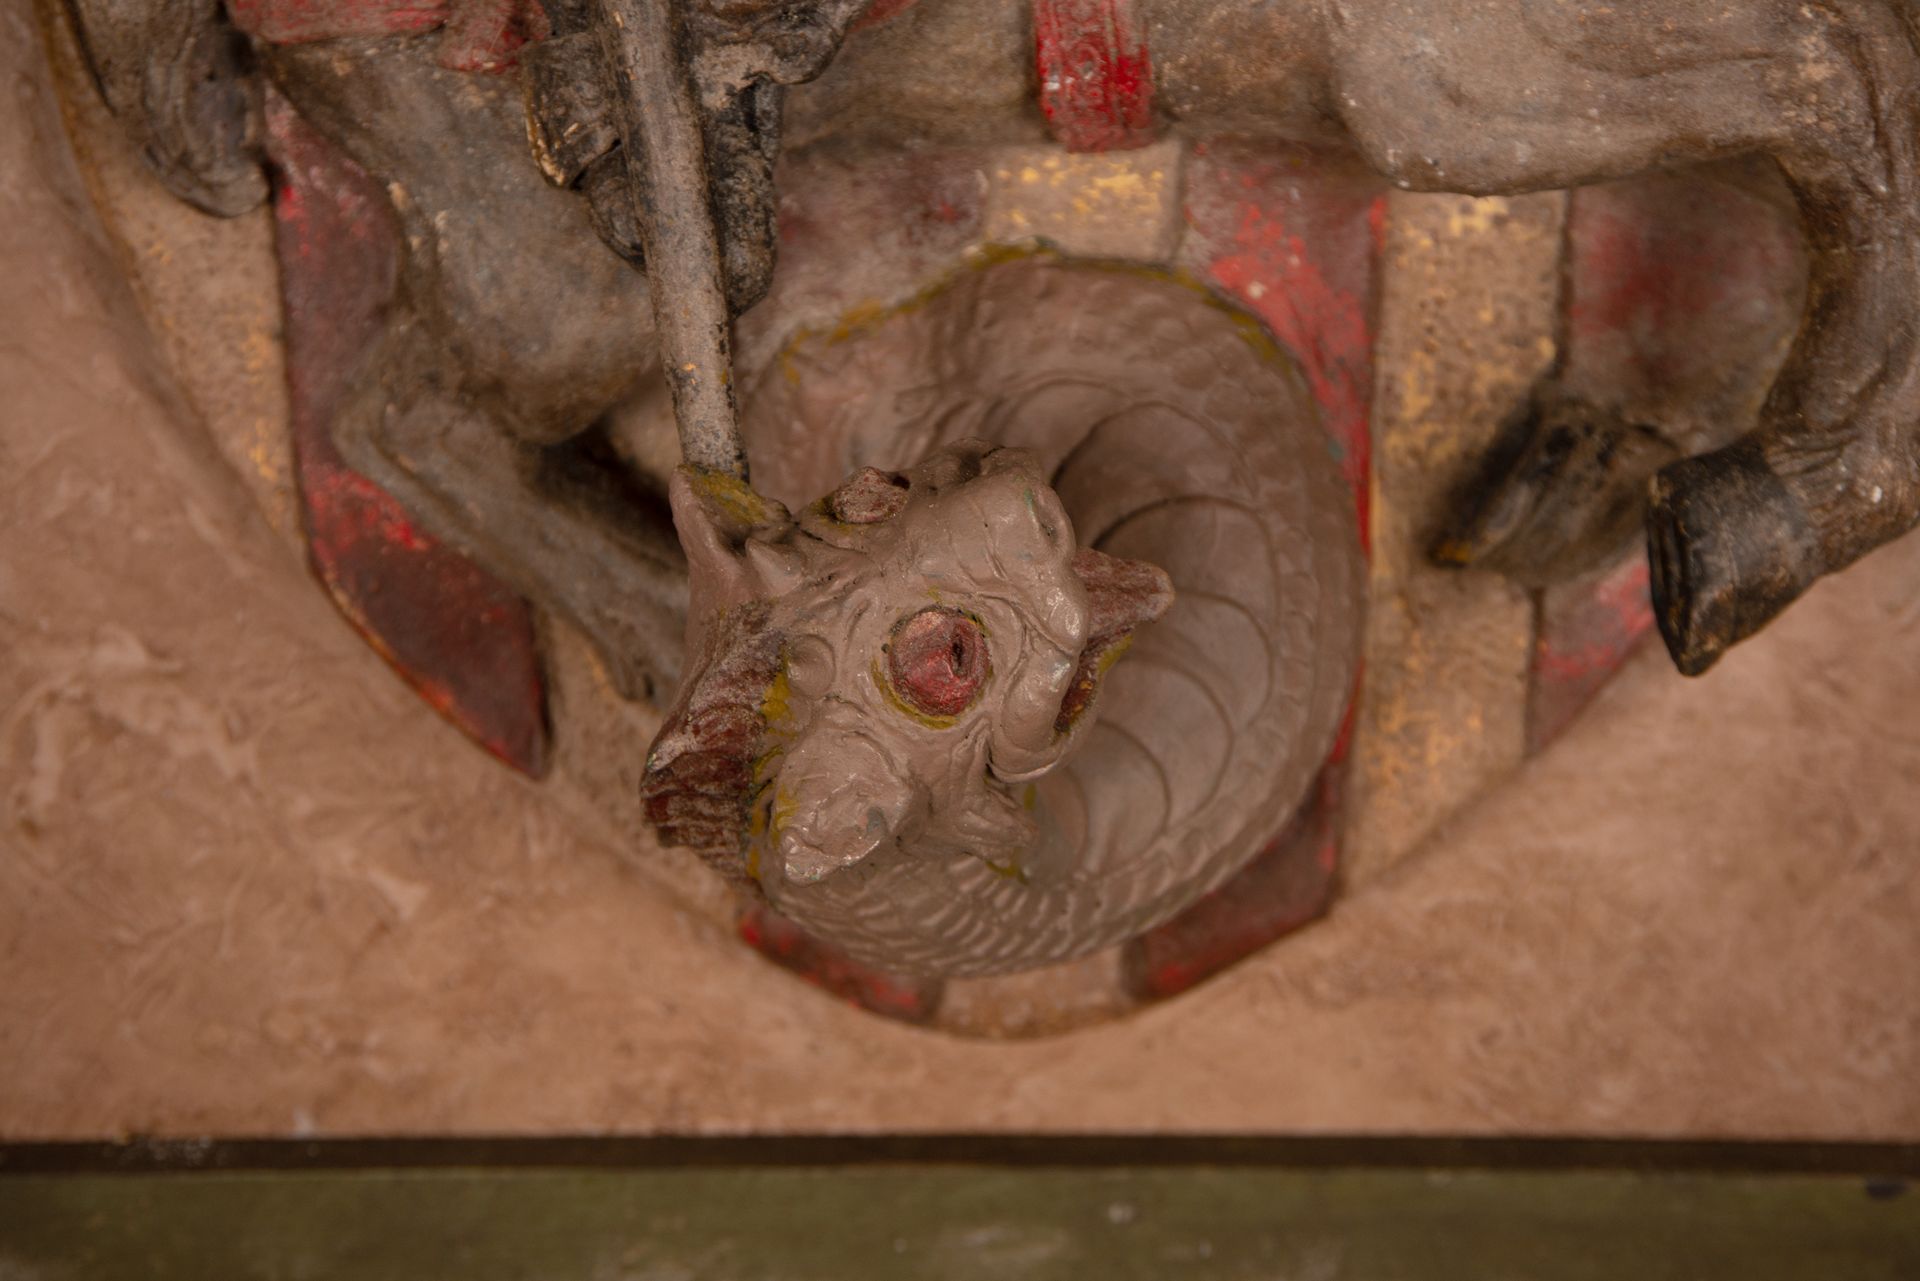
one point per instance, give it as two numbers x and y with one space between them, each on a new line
908 721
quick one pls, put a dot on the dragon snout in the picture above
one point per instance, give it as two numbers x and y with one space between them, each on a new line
816 851
839 801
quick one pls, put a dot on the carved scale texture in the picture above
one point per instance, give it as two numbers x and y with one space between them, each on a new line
1173 433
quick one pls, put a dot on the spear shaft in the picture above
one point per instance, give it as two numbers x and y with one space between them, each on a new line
647 46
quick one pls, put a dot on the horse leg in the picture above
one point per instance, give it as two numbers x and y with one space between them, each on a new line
566 537
1533 94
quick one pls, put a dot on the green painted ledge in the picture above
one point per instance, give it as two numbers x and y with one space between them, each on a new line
1081 1215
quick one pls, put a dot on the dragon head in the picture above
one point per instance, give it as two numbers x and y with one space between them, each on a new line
881 677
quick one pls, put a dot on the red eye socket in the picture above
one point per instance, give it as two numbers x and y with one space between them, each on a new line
938 661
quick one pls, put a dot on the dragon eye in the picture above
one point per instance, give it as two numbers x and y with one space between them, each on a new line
937 661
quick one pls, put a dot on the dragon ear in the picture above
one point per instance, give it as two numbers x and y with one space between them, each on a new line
1121 594
733 540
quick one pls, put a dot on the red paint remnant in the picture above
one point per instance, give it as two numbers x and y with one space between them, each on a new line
1343 741
1682 290
1678 288
1618 602
1096 79
1586 631
360 509
481 35
1274 273
1294 237
303 21
1652 257
484 35
879 13
1287 885
453 632
791 948
699 780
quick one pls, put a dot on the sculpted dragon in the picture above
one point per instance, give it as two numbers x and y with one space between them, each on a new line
896 716
908 719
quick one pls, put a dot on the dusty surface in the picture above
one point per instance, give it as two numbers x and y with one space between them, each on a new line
1466 327
249 884
1118 204
218 271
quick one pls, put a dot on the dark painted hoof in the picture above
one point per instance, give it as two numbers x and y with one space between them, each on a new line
1728 548
1561 495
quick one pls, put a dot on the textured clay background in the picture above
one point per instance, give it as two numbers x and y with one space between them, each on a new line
250 885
